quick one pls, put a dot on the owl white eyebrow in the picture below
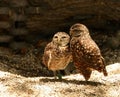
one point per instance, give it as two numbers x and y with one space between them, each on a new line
55 37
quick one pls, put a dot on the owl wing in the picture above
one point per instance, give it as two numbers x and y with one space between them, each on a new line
94 58
91 51
47 54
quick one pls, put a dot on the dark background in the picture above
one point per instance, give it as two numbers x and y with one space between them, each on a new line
26 26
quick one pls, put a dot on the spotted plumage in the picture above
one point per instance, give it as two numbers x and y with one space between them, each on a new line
85 52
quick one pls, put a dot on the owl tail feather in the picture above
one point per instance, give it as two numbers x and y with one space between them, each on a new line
86 73
104 68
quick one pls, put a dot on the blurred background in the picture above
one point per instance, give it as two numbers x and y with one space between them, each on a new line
26 26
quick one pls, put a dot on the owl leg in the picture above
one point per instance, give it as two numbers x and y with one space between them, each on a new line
86 73
55 74
104 68
59 75
105 72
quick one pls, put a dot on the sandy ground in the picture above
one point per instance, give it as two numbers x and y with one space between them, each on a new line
12 85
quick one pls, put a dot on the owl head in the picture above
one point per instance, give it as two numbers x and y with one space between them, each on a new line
78 30
61 39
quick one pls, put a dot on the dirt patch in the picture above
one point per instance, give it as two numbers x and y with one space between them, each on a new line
13 85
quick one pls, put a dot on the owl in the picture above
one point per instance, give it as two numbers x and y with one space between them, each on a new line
85 52
57 53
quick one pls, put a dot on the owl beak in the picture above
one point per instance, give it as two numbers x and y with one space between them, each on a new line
59 44
58 41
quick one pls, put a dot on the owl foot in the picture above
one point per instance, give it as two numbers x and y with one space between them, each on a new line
59 75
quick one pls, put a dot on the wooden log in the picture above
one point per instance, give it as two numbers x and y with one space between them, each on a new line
5 38
16 3
4 17
61 14
18 17
19 24
4 10
29 17
34 10
5 25
19 31
4 3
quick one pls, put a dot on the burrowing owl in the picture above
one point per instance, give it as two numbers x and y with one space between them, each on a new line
57 54
85 52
